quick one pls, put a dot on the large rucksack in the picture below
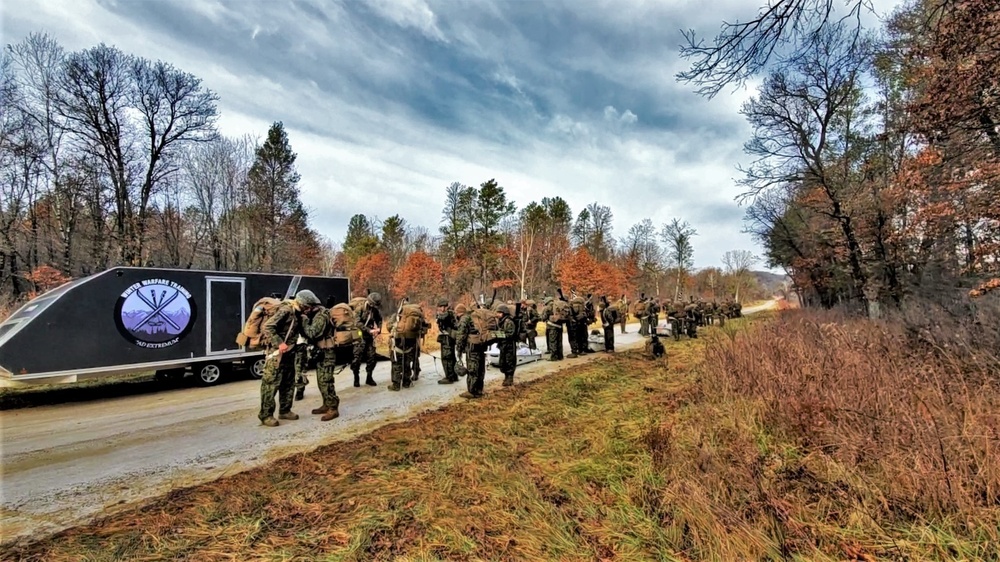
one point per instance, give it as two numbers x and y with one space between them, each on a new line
252 332
611 314
485 321
410 322
344 327
561 311
640 308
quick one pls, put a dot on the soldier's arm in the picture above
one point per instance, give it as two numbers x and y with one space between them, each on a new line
316 328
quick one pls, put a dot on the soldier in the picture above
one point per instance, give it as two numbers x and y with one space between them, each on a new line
553 330
280 333
622 307
447 324
301 367
476 344
680 319
641 312
320 332
529 321
691 311
590 316
461 314
370 321
404 354
506 339
609 317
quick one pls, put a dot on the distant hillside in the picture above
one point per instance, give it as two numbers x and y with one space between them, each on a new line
771 282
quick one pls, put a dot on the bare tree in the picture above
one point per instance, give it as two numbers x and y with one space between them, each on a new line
738 264
742 50
676 236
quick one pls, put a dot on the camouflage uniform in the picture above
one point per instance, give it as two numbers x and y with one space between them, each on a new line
609 315
643 316
530 319
404 355
447 324
369 318
553 331
506 340
622 306
279 368
301 367
318 329
476 363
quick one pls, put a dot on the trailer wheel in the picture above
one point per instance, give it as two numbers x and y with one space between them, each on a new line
208 374
257 369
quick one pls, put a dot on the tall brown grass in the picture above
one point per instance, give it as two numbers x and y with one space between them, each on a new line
904 413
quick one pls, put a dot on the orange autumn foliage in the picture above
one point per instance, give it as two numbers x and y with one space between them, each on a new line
420 278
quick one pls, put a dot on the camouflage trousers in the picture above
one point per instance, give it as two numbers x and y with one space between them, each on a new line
477 370
643 326
404 355
554 340
530 337
448 359
609 337
326 370
301 367
624 321
364 352
582 338
508 357
279 378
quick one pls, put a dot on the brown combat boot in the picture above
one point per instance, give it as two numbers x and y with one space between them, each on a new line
470 395
269 422
446 381
288 416
370 381
300 393
321 410
393 387
330 414
508 380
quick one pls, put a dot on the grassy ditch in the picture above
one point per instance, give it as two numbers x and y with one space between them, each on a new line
623 458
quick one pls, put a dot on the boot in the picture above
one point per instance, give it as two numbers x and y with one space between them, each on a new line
447 381
470 395
415 375
370 381
406 383
330 414
357 380
300 393
288 416
572 356
321 410
394 387
508 380
269 422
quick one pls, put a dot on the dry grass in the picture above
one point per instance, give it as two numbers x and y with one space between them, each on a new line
620 459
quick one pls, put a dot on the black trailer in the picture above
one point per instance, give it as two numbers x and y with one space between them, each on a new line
130 319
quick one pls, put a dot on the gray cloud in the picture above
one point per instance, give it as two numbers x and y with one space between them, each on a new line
389 101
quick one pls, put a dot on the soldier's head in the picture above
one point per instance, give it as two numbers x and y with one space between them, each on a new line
442 305
547 301
306 300
503 310
460 309
375 299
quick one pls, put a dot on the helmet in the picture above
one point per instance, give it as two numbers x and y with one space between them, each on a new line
460 309
503 309
307 298
548 300
443 302
375 298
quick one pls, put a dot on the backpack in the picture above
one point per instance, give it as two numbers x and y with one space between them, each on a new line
641 308
410 322
578 306
561 311
252 331
344 326
485 321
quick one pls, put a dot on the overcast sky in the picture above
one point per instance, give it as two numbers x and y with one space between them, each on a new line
387 102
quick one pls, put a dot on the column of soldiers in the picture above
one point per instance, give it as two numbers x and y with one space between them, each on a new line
303 322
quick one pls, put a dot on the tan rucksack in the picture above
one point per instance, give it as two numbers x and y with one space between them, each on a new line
344 325
410 322
485 321
252 331
561 311
640 308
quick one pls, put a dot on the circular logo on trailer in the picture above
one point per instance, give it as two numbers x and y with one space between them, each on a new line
155 313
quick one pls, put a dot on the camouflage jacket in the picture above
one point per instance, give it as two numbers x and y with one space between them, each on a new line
447 323
465 328
506 340
369 318
283 327
319 327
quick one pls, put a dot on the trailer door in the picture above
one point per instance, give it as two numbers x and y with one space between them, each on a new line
226 313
